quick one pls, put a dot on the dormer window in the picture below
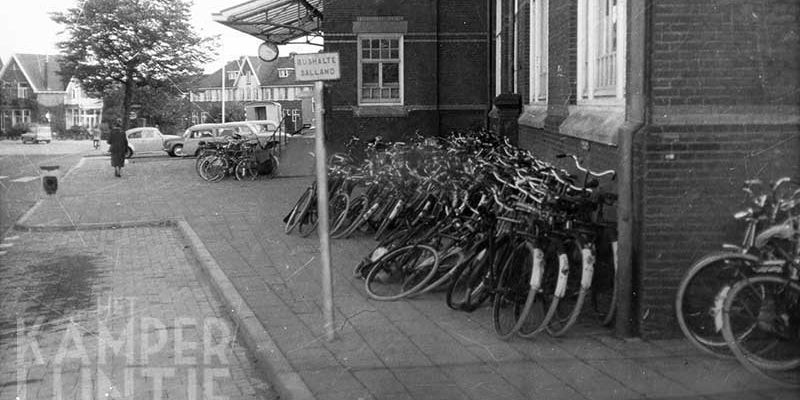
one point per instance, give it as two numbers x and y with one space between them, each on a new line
231 75
284 72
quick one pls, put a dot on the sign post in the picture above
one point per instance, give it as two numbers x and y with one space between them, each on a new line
320 67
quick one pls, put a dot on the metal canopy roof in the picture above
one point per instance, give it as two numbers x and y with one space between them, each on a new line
277 21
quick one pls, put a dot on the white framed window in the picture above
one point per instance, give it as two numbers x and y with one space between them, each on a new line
380 69
23 90
284 72
538 50
231 75
601 51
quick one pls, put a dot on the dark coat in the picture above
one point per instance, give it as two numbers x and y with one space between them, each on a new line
118 145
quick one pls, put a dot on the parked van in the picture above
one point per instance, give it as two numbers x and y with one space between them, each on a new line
37 133
196 136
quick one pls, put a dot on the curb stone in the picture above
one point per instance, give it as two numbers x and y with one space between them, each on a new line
269 358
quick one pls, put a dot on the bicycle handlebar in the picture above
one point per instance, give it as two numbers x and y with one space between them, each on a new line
587 170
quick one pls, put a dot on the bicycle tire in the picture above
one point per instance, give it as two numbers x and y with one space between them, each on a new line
308 222
354 211
245 169
700 297
603 296
459 291
568 301
514 297
533 314
448 262
216 168
411 266
761 324
361 218
298 210
339 207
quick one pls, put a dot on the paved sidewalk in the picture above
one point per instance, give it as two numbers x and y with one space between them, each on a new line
402 350
115 313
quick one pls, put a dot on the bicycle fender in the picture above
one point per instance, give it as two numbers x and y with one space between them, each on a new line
563 273
783 231
587 259
616 258
538 269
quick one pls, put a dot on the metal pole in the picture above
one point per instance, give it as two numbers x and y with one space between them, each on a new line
322 212
223 88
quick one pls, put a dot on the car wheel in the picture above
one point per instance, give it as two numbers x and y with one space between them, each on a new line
177 150
129 153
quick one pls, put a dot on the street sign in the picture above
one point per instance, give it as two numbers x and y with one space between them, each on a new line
316 67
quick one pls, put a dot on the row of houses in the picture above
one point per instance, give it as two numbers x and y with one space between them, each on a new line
685 99
32 91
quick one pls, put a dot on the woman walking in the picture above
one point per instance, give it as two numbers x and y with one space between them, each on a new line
118 146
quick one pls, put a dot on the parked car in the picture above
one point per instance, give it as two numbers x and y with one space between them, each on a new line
196 136
37 133
146 139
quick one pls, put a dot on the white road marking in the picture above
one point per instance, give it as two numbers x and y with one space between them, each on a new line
3 252
15 237
3 177
25 179
6 245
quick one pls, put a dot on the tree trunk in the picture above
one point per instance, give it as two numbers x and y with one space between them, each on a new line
126 102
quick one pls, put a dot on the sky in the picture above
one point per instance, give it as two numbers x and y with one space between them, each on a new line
26 27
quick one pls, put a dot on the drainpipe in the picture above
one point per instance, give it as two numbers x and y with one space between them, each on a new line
637 115
489 59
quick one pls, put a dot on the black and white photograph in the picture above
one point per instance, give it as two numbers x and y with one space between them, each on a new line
399 199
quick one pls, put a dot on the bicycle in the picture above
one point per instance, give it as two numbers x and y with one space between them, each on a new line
706 284
761 313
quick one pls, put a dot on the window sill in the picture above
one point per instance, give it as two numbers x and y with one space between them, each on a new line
380 111
596 123
533 115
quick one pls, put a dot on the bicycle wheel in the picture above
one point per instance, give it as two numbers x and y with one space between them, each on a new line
448 263
309 221
215 169
570 290
338 211
513 295
603 296
246 169
401 272
701 294
298 210
201 158
355 210
761 324
472 286
532 316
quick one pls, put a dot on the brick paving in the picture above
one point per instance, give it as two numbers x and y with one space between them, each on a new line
401 350
67 298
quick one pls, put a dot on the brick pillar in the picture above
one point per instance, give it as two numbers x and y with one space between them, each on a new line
503 118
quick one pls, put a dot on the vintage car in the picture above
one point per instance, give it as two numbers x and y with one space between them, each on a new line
196 136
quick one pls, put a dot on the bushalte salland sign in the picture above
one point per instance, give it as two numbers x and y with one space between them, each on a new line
316 67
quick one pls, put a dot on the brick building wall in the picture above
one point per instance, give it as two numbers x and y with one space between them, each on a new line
721 94
444 67
724 99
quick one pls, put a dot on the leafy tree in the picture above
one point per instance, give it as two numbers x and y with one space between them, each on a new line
125 45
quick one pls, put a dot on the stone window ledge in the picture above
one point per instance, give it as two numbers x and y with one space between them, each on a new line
533 115
594 123
380 111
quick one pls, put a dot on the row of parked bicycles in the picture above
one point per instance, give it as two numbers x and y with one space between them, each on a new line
480 220
238 156
744 300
